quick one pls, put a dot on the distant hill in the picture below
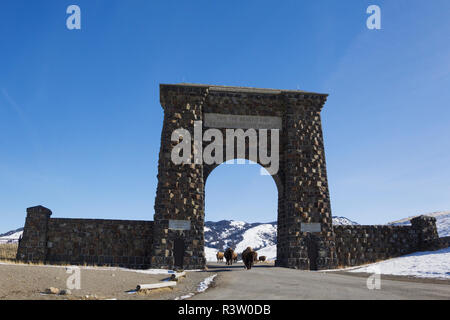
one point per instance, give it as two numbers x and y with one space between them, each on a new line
10 232
343 221
442 222
11 236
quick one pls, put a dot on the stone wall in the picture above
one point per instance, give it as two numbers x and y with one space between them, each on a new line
122 243
129 243
356 245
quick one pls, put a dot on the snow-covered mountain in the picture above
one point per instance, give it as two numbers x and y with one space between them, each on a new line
343 221
442 222
11 236
239 235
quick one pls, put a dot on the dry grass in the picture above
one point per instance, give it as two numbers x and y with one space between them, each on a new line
8 251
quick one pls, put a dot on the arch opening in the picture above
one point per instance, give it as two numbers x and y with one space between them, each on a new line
241 209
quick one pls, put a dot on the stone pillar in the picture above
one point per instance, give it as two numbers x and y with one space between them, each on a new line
306 187
426 231
180 192
33 246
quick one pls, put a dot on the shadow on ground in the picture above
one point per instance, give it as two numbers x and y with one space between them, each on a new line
216 267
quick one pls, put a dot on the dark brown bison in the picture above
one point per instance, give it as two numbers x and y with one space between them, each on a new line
219 256
262 258
229 256
249 257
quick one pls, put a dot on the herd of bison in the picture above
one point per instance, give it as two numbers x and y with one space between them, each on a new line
249 257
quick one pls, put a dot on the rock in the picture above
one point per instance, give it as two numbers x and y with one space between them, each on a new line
52 290
65 292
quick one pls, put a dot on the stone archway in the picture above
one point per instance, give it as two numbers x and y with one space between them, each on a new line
303 200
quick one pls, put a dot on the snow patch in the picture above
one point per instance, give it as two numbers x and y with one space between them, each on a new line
206 283
201 287
237 224
425 264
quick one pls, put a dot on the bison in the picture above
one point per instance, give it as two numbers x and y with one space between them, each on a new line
249 257
235 257
229 256
262 258
219 256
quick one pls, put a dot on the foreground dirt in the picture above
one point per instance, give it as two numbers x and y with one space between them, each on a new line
25 282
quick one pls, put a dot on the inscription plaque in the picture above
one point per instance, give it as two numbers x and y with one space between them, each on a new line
179 224
232 121
311 227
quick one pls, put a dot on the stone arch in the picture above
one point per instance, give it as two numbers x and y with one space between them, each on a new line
303 202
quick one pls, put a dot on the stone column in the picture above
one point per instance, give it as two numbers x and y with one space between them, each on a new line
426 231
33 246
180 192
306 187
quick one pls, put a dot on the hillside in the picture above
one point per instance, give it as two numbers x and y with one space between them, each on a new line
442 222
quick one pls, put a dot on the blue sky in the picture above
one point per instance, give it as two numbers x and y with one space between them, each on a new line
80 119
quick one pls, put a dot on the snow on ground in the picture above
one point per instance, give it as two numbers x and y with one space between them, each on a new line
425 264
257 237
270 252
206 283
201 287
